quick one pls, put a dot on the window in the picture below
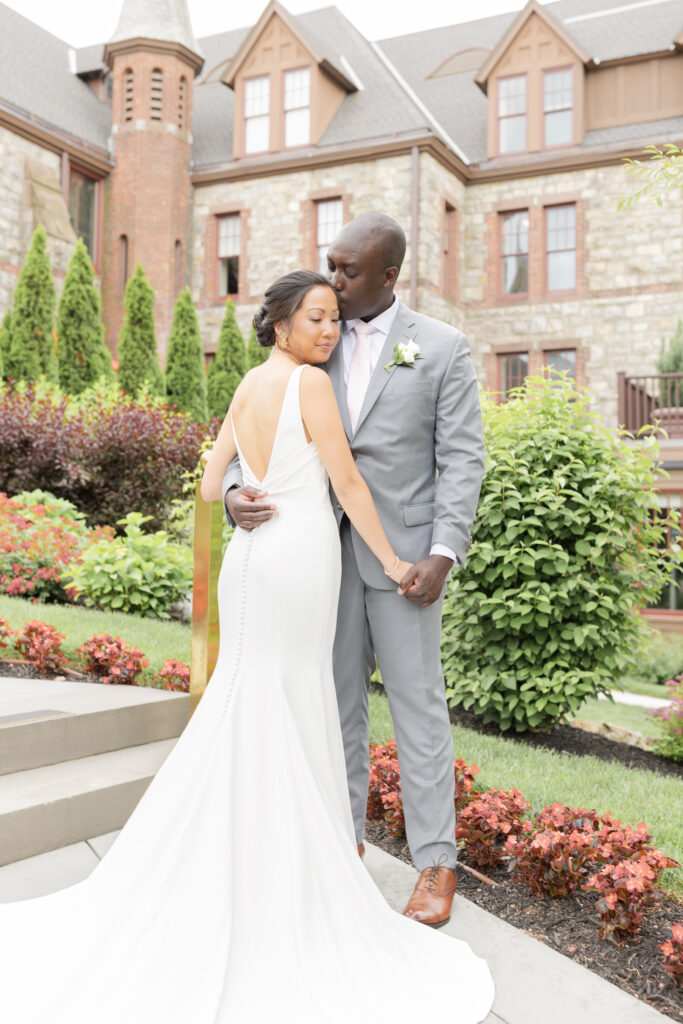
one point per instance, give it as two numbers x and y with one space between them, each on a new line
123 262
515 252
256 114
128 95
298 107
562 360
514 369
671 596
560 229
83 207
182 102
512 114
449 253
156 95
229 242
329 221
558 115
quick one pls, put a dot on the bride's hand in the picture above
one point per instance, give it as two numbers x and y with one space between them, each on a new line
400 571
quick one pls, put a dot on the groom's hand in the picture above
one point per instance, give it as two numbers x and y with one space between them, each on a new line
424 581
247 508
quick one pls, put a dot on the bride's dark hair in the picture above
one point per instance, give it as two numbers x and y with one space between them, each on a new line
282 300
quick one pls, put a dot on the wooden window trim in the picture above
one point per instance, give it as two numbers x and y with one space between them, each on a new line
96 255
548 71
283 112
244 118
525 148
504 296
560 293
512 350
235 296
450 229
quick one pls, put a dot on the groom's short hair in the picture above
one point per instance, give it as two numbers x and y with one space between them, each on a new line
388 237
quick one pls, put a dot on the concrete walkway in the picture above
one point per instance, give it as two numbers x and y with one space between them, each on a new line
534 984
638 700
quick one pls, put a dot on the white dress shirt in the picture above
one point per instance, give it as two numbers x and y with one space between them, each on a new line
382 324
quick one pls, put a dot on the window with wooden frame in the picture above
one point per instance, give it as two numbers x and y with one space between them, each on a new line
512 114
156 95
297 90
558 107
229 247
671 596
560 234
257 114
329 220
83 208
514 248
513 369
123 262
561 360
449 255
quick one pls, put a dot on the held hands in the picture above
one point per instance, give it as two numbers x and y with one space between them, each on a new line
247 507
399 571
423 582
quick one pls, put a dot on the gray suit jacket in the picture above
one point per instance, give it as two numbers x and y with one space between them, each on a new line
414 422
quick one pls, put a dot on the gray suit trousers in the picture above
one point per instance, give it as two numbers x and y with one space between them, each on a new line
406 640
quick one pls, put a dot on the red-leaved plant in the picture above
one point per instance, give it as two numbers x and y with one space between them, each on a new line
6 634
112 659
41 645
551 862
487 822
175 675
625 890
673 953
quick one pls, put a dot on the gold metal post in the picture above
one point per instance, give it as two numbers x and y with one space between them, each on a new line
208 538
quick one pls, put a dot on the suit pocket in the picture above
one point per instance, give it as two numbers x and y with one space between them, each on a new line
420 514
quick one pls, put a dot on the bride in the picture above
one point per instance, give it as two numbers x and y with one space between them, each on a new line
235 894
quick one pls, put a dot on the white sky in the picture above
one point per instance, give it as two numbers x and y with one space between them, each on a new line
81 22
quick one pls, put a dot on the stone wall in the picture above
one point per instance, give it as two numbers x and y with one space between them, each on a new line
439 186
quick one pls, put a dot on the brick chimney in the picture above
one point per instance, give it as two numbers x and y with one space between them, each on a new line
154 58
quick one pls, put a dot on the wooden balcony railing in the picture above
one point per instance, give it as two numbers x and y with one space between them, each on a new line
650 398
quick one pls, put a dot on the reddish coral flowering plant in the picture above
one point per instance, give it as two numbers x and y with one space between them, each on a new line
487 822
551 862
112 659
673 953
175 675
41 645
6 634
625 891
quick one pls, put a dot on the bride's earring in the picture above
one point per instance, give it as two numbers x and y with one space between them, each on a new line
282 341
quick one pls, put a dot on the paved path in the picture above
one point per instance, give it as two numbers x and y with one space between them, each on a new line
640 700
534 984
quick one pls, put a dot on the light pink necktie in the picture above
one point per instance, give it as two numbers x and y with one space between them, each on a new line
360 370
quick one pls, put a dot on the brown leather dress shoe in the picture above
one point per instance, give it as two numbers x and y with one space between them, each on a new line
361 849
432 897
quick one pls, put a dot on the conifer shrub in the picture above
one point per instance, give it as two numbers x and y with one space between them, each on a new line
185 378
138 360
82 354
229 366
566 546
32 345
256 354
5 339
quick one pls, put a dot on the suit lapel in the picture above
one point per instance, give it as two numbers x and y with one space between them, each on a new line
335 369
400 332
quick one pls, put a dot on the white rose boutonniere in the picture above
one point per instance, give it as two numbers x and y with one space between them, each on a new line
405 354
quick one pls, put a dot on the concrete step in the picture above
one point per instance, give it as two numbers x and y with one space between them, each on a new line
49 807
44 722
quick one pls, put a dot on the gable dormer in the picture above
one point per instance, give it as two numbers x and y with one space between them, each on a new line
534 80
286 91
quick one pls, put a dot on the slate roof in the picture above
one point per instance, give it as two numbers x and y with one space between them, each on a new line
36 79
39 73
166 20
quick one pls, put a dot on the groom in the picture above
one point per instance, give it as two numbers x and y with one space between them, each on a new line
415 432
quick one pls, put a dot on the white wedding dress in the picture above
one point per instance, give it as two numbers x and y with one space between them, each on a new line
234 894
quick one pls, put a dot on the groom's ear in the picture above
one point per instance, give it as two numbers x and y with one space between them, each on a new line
390 276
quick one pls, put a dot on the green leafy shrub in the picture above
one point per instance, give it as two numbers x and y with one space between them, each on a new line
670 723
185 379
658 661
32 344
229 366
143 573
5 339
82 354
564 551
138 359
256 354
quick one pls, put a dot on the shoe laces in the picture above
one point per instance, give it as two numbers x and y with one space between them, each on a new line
431 875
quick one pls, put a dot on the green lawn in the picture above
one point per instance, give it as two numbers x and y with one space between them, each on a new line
625 715
634 685
159 639
546 776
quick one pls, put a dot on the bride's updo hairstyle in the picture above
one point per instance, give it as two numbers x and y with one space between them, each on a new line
282 300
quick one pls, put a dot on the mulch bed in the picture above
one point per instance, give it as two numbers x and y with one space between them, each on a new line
570 926
22 670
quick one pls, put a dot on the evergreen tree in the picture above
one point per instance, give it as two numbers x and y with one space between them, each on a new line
32 347
138 359
82 353
229 366
256 354
5 339
185 380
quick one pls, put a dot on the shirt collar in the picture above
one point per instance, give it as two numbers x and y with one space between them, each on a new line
384 322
